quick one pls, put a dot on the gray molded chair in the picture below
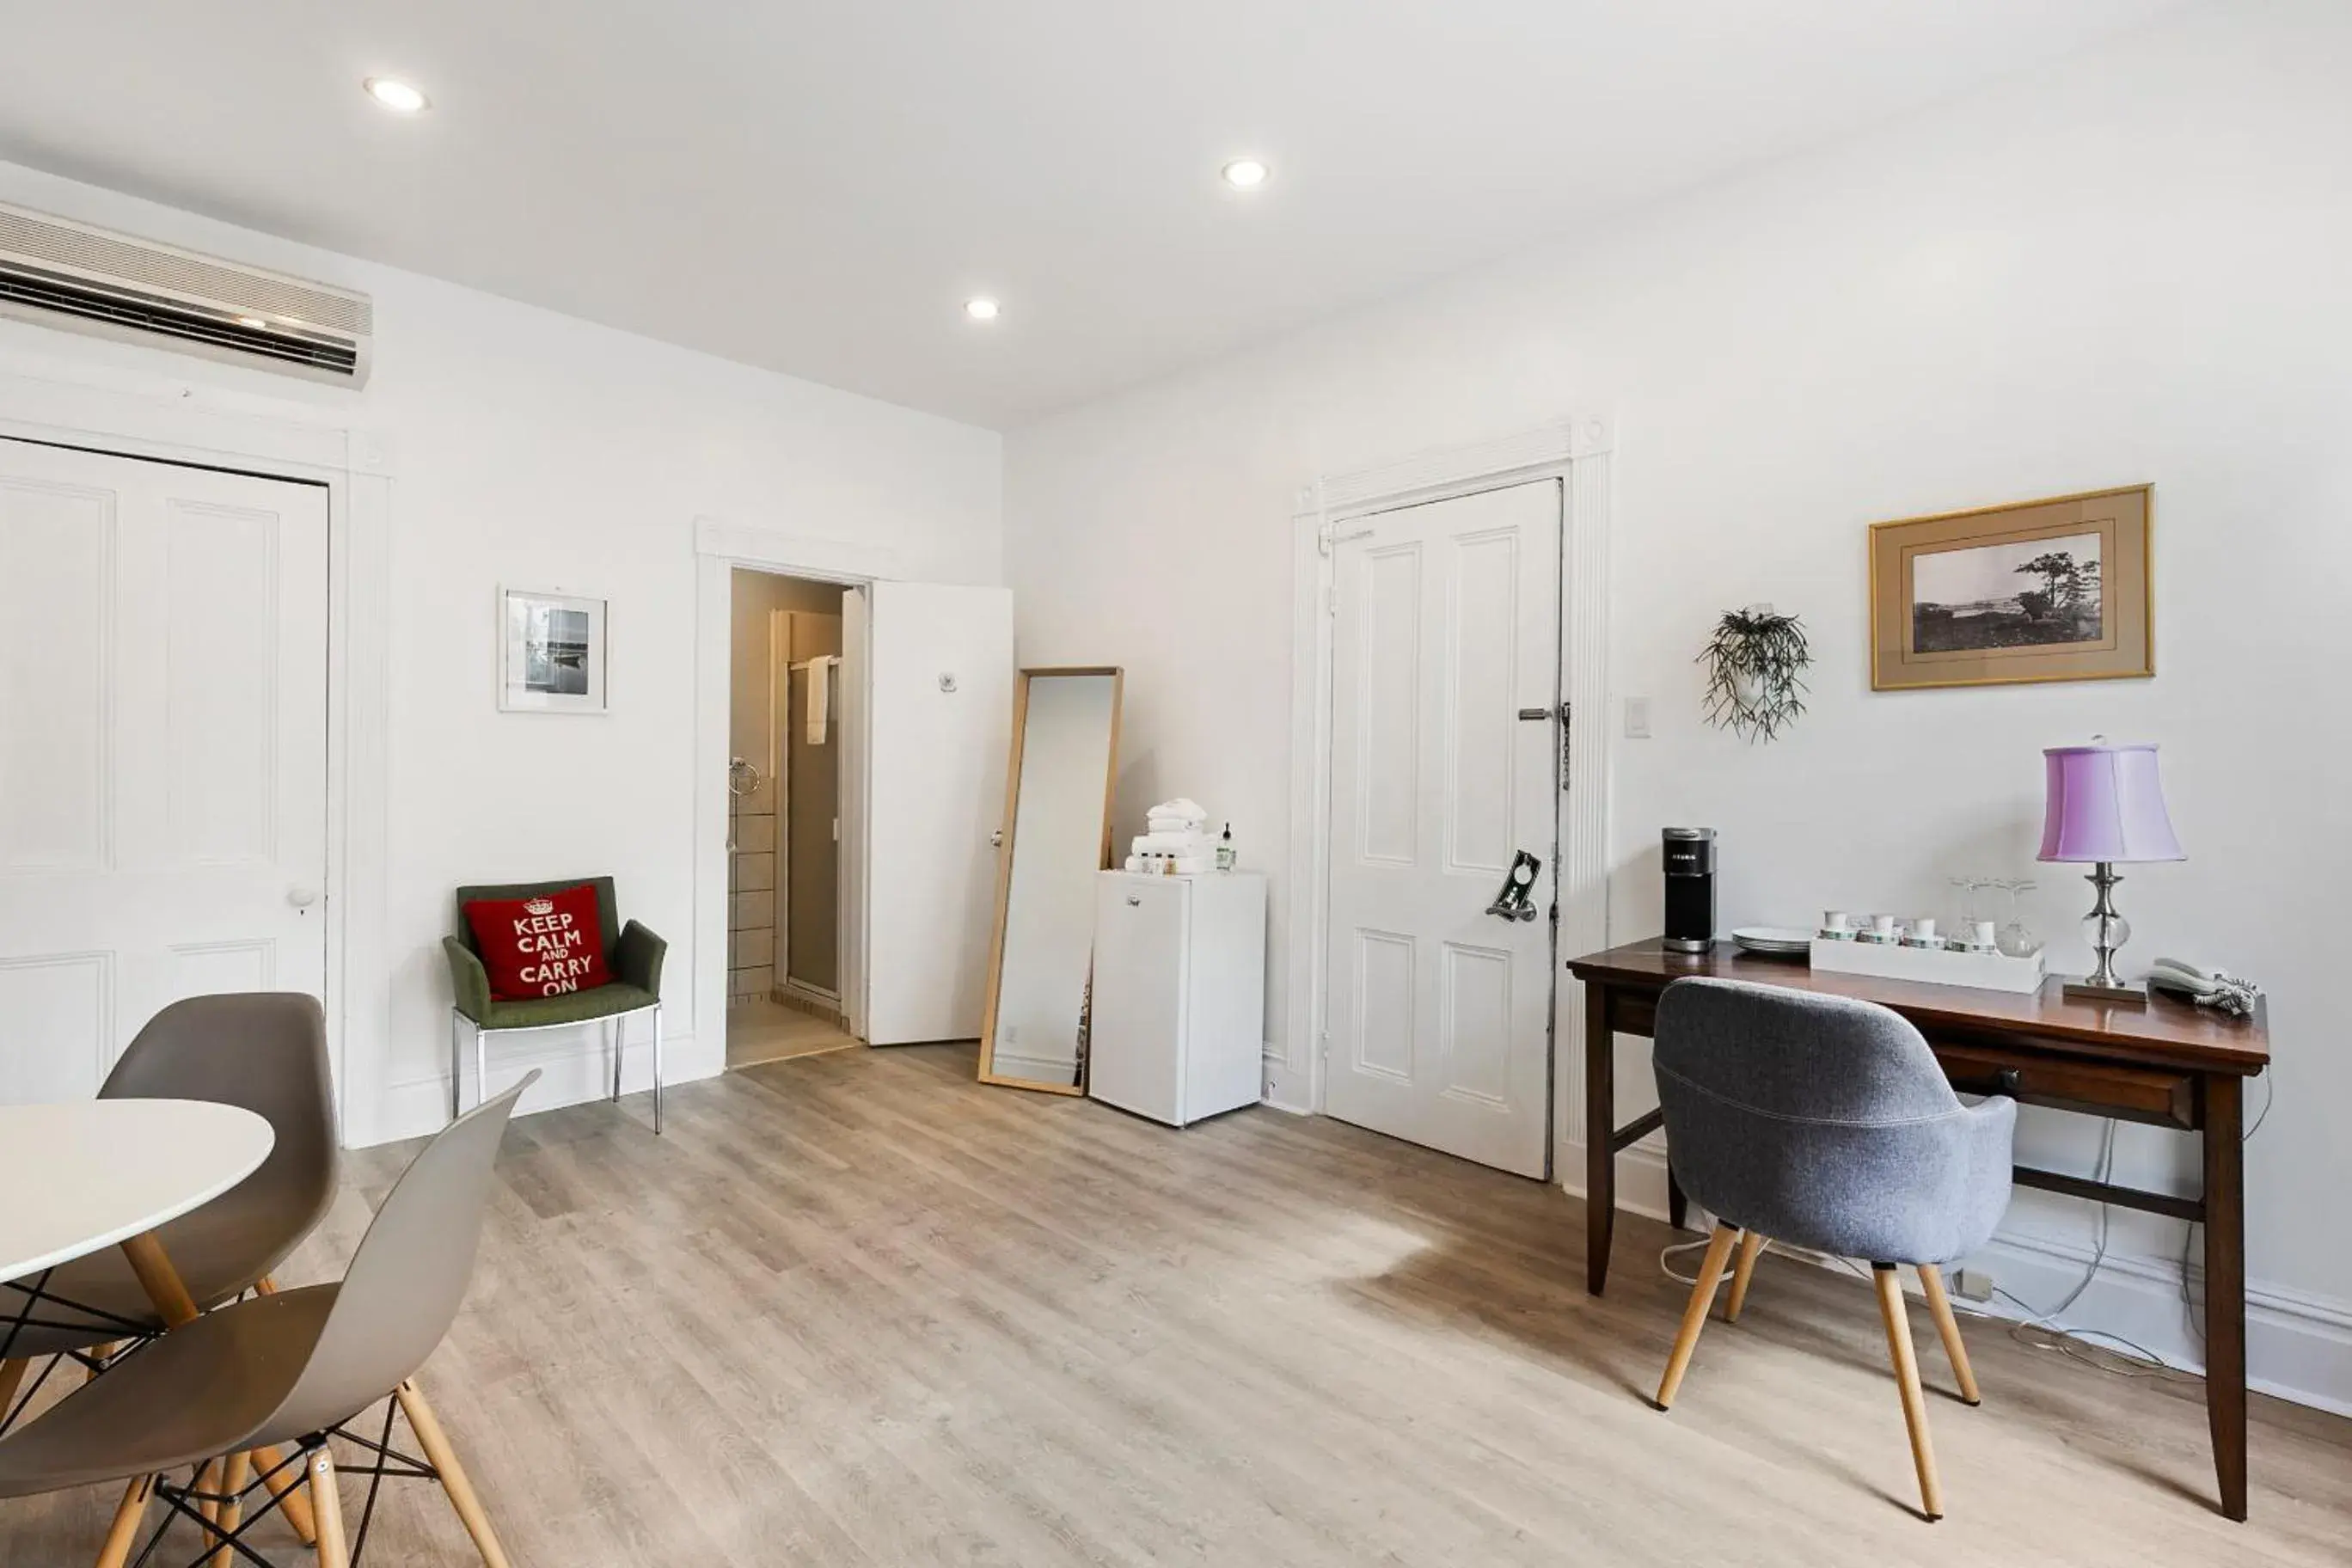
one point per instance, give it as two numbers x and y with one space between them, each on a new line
632 953
263 1050
1826 1123
289 1367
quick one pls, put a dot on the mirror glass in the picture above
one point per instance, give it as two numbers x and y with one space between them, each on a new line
1057 835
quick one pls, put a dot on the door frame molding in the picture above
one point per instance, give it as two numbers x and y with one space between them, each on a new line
130 413
1576 452
720 547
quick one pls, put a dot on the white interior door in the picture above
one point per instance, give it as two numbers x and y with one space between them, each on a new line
938 719
1444 734
163 750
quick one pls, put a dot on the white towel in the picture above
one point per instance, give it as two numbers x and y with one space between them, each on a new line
819 703
1175 815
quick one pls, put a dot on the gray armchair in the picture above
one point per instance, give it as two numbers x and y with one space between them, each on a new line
632 953
1826 1123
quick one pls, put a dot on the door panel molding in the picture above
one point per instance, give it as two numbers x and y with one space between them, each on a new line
1576 452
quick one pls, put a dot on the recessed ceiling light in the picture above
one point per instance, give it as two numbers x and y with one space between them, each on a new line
981 310
397 95
1243 174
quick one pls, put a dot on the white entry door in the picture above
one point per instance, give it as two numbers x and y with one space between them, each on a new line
1444 748
163 750
937 724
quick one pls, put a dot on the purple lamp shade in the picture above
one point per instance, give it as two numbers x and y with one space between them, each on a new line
2105 804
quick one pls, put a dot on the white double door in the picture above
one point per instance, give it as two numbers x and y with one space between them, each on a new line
163 750
1446 741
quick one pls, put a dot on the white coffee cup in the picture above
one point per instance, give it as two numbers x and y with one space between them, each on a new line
1923 928
1983 937
1836 920
1882 924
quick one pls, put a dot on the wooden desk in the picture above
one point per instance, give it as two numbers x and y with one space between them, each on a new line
2167 1064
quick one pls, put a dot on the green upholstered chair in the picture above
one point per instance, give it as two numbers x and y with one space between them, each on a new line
632 953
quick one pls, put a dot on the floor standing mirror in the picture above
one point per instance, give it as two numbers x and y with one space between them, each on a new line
1057 836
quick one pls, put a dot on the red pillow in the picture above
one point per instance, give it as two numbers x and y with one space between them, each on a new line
544 945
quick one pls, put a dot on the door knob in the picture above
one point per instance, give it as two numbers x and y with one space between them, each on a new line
302 898
1513 902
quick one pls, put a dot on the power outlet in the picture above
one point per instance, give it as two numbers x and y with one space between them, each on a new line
1973 1285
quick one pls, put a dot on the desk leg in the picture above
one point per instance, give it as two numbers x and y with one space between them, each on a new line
2225 1286
1600 1133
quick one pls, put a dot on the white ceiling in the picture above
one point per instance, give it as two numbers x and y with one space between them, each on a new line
816 188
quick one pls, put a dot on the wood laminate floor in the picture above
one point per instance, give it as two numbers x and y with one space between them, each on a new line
857 1309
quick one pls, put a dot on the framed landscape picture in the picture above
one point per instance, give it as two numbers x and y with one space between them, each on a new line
550 653
2043 590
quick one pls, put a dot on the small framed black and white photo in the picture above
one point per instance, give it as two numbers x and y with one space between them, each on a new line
551 653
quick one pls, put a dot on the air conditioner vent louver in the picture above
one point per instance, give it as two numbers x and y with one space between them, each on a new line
71 276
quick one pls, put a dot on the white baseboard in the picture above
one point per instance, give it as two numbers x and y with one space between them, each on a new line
1286 1091
574 1068
2298 1345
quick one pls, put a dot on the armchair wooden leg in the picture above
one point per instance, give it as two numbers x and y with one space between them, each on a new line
1702 1298
333 1553
234 1473
1906 1381
444 1458
1931 1280
1750 1244
128 1515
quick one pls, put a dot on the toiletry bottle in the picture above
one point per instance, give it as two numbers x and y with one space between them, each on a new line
1225 849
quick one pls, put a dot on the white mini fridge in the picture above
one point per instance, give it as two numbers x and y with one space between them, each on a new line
1179 994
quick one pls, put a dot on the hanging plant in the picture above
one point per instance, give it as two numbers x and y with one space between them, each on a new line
1755 673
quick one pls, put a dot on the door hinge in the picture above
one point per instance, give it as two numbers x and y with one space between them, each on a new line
1567 744
1331 600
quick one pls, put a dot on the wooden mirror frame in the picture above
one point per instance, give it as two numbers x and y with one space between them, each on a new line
1117 674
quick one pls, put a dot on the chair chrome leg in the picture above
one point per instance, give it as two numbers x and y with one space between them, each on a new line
456 1069
481 1065
657 1069
618 1028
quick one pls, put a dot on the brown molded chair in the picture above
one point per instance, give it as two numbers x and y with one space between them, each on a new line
633 954
287 1368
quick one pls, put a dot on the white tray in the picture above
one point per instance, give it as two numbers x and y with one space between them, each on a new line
1932 966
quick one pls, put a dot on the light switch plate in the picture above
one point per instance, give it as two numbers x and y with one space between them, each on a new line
1637 718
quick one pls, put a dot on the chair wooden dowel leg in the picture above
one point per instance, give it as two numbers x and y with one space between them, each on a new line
327 1503
1750 1244
12 1378
1702 1298
285 1484
206 1484
1892 1312
444 1458
234 1473
128 1515
1931 1280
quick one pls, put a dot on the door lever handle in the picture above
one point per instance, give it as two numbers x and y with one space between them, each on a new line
1515 902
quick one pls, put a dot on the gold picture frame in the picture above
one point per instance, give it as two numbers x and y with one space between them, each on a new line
2059 589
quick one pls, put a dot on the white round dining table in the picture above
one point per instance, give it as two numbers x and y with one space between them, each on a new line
94 1174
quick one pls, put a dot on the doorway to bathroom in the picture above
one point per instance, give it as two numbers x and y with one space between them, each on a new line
785 772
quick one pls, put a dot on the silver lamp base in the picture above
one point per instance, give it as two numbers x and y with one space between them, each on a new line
2126 996
2107 931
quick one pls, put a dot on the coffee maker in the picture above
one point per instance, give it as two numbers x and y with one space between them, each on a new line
1690 888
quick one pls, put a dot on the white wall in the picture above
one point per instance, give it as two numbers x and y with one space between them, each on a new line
2114 270
539 451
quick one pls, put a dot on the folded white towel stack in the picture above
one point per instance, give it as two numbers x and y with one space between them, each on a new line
1178 832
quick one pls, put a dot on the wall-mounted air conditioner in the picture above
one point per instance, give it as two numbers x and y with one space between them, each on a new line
79 279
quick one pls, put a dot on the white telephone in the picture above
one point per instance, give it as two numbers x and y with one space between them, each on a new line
2206 987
